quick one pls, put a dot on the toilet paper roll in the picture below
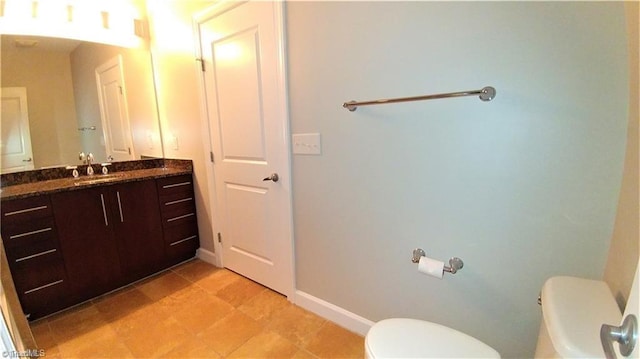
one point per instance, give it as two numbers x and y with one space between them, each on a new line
432 267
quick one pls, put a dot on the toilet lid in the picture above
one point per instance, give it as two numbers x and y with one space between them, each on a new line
573 309
412 338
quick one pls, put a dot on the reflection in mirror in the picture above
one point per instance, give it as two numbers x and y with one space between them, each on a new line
77 97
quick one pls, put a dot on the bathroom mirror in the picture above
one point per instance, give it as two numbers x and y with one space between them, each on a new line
78 97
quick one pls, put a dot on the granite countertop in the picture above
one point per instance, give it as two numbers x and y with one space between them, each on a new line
71 184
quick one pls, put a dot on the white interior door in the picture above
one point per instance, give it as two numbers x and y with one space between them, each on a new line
113 111
15 145
241 45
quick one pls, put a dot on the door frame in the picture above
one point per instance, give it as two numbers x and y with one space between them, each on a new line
206 14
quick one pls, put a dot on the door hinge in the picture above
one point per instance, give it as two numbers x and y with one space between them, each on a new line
120 87
219 237
129 148
211 157
201 64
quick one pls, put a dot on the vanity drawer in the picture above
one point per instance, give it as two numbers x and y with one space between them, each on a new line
174 185
178 213
38 232
25 210
48 299
181 241
173 219
172 199
21 253
184 232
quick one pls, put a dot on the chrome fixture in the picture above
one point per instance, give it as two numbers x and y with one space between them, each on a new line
626 335
74 171
89 161
105 169
274 177
487 93
455 263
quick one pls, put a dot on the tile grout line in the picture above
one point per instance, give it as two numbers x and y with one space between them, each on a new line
263 312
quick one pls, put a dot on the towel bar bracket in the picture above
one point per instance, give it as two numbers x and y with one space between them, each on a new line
487 93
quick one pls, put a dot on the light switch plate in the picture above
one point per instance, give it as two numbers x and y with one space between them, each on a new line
173 140
307 144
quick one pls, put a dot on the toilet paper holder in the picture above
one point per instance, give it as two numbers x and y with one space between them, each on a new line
455 263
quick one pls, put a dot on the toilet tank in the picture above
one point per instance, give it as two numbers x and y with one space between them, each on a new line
573 309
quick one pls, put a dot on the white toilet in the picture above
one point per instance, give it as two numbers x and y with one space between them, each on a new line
412 338
573 309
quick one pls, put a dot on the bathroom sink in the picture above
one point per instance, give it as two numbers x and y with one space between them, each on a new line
96 179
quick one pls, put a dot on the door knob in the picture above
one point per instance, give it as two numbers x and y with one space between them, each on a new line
27 160
274 177
626 335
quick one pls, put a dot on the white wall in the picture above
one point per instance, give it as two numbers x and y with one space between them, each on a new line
521 188
173 48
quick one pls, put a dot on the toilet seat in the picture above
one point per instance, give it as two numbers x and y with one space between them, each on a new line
412 338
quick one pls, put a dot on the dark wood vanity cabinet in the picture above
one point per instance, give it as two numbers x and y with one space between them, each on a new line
31 242
111 235
71 246
179 221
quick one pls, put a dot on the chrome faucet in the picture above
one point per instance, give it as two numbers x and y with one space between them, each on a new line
89 161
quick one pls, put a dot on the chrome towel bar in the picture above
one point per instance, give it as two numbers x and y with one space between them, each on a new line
487 93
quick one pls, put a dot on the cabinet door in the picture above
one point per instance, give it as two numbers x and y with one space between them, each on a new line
138 228
88 245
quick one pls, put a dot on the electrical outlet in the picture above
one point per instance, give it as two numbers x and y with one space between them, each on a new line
307 144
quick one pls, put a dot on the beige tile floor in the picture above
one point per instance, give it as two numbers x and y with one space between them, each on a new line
194 310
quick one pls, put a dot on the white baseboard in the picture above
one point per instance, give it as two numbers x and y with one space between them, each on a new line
338 315
206 256
329 311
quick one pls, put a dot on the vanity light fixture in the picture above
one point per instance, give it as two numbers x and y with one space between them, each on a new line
119 23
